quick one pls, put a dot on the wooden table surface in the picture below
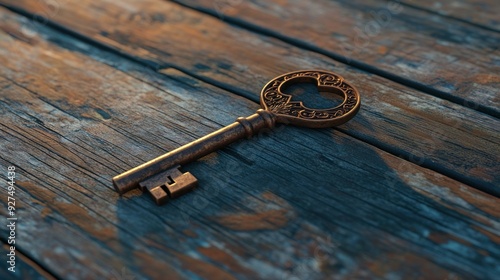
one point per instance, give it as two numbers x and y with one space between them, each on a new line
408 189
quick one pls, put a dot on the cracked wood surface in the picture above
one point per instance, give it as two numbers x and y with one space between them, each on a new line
406 122
294 203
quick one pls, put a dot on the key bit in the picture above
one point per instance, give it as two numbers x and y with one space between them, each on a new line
161 176
170 183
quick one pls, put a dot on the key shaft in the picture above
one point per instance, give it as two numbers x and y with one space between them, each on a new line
242 128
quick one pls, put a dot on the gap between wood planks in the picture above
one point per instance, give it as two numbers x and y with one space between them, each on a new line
378 144
297 42
450 16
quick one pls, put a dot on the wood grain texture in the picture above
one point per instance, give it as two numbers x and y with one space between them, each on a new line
25 268
297 202
437 134
481 12
447 58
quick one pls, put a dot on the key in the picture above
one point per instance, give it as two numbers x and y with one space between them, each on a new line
161 176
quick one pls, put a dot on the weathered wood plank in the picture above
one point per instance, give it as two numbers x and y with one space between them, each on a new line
294 203
434 133
481 12
24 268
447 58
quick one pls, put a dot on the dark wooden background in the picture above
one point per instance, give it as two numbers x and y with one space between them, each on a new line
406 190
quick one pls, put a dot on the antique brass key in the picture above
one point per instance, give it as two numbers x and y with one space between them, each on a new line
161 176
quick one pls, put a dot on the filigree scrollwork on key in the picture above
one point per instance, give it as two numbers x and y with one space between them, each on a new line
274 100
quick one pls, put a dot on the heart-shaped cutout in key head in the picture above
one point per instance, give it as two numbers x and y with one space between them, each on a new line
281 105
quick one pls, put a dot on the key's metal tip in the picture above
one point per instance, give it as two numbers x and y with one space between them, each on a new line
122 184
117 189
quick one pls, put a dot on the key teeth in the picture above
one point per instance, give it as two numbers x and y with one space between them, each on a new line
159 195
182 185
160 188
